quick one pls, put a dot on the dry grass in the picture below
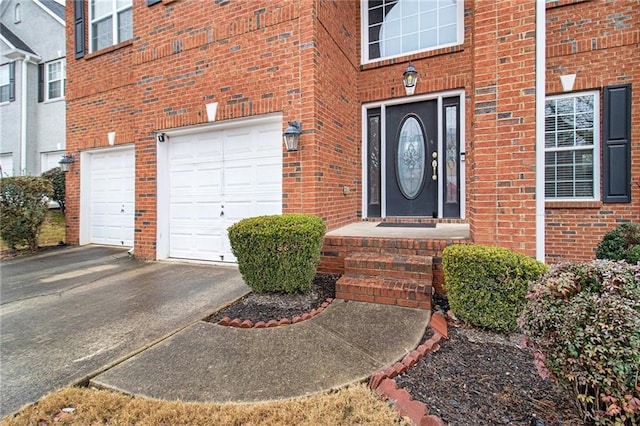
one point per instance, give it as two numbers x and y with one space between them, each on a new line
354 405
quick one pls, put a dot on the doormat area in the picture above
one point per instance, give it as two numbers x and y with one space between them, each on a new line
405 225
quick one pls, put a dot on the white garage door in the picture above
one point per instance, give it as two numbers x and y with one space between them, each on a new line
112 197
217 178
6 165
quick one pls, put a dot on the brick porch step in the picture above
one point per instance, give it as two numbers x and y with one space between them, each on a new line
389 265
387 291
404 280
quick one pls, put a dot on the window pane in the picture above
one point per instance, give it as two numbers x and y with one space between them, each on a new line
4 93
125 25
100 8
396 25
120 4
570 142
102 34
4 74
448 34
55 71
55 90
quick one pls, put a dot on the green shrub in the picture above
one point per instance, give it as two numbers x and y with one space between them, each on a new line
486 286
584 322
278 253
57 178
23 207
621 243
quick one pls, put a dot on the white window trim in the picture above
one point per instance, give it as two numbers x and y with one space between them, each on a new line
596 149
47 81
114 23
7 65
364 35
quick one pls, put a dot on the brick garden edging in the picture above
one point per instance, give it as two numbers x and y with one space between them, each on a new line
383 384
240 323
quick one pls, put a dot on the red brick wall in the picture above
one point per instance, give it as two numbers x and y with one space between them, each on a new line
252 58
302 58
600 42
337 169
501 181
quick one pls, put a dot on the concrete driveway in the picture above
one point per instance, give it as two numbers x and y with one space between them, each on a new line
70 314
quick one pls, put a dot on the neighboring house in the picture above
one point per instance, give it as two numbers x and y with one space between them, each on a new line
176 110
32 86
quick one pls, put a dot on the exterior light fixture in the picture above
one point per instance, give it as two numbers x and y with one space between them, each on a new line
65 161
291 136
409 79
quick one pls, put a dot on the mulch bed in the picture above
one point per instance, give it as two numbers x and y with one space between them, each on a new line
475 378
480 378
264 307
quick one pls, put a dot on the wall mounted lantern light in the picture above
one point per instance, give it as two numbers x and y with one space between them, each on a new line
65 161
291 136
410 78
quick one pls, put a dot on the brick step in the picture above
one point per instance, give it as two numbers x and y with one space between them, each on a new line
388 291
413 267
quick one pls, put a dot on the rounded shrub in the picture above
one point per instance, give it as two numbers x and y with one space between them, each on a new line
57 178
621 243
486 286
278 253
23 207
583 320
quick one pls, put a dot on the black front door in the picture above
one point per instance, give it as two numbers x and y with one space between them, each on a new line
411 159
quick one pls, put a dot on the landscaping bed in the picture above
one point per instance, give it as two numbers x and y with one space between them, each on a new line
475 378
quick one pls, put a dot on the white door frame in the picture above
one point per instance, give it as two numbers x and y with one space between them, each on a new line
163 195
405 100
85 188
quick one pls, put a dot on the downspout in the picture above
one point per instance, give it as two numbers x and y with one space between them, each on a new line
540 105
23 116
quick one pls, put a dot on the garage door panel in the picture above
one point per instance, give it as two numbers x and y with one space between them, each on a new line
235 171
111 197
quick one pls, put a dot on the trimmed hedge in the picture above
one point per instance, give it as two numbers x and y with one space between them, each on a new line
278 253
23 207
57 178
621 243
583 321
486 286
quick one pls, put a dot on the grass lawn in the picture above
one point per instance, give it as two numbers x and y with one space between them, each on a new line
53 230
354 405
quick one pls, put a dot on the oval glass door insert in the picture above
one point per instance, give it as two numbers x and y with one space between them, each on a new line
410 158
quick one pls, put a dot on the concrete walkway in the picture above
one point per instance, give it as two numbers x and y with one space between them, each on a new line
69 314
211 363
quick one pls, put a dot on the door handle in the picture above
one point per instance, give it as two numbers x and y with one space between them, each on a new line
221 211
434 165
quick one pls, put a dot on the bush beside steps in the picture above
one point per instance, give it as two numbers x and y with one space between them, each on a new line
278 253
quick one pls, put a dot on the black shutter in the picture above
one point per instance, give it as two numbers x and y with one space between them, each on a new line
79 30
12 80
616 144
40 82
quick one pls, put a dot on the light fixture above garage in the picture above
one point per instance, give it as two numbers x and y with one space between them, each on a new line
291 135
65 161
409 79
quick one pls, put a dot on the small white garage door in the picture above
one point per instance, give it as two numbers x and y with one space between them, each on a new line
111 197
6 165
217 178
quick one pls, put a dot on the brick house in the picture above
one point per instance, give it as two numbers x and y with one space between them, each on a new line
176 110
